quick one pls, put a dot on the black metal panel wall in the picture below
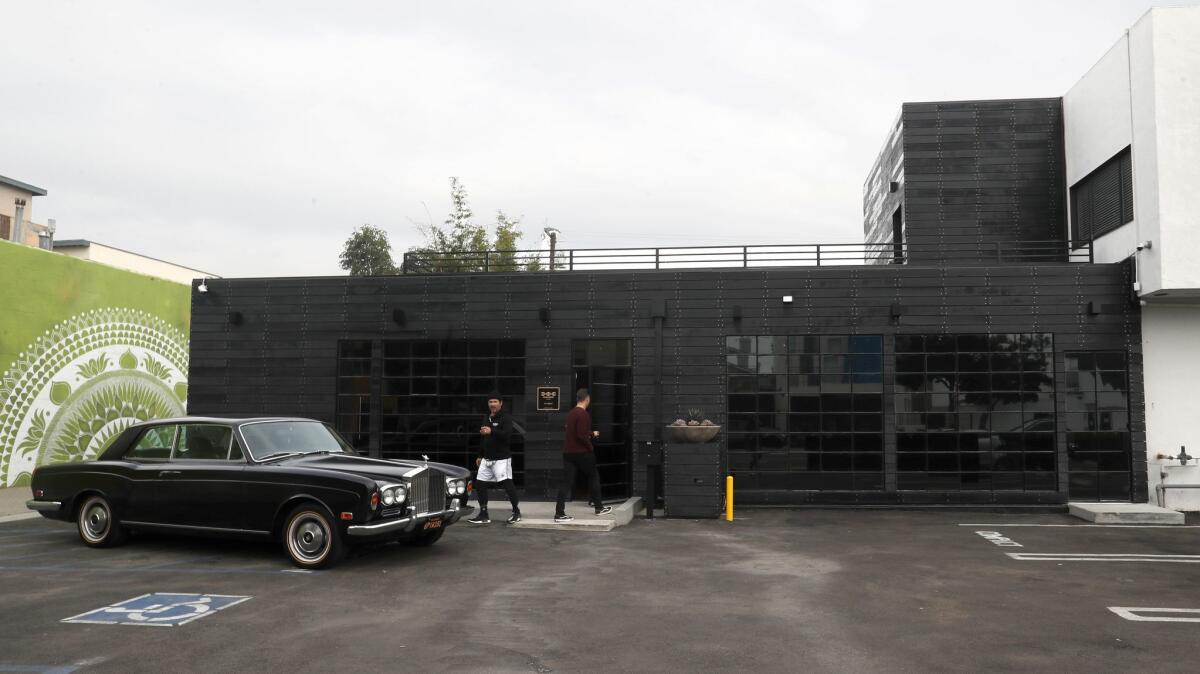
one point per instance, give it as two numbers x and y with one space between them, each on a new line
280 354
985 173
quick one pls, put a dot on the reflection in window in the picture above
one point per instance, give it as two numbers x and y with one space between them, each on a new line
354 393
806 412
1099 447
434 395
975 412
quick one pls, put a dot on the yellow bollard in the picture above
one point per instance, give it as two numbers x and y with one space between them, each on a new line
728 498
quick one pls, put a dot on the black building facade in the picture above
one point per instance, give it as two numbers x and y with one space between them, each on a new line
1012 384
967 354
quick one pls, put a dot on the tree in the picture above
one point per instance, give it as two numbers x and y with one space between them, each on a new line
368 253
461 244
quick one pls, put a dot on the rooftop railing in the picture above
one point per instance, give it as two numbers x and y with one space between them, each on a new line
708 257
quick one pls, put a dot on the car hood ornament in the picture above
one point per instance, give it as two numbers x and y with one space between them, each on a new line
426 458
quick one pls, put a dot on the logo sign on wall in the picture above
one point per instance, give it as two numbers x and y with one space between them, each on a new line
547 399
160 609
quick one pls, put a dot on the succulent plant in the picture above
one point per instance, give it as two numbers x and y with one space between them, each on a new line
695 415
693 422
707 422
679 422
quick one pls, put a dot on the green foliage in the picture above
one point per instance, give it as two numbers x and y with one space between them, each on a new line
368 253
461 244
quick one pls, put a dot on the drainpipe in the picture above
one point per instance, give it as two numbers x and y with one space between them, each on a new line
18 219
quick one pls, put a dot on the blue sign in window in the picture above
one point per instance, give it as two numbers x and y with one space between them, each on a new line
162 609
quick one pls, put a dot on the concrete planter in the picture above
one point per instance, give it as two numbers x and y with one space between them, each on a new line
692 434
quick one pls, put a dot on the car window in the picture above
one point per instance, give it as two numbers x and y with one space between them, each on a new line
202 442
235 451
154 445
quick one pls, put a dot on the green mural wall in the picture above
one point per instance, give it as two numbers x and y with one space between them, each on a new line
85 351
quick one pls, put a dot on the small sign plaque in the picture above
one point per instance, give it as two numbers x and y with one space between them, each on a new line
547 398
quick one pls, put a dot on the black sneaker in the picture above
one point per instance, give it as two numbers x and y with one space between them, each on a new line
516 517
604 511
481 518
561 519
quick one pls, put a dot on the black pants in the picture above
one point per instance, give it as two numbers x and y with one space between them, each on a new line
481 493
582 461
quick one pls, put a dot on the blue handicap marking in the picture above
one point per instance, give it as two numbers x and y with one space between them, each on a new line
162 609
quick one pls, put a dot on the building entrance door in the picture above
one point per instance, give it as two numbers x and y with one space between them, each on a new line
603 367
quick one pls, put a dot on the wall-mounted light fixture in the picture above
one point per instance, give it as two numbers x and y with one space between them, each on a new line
544 315
234 317
736 313
1093 308
895 312
1145 245
203 287
398 317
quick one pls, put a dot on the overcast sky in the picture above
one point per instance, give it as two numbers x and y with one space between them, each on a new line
250 139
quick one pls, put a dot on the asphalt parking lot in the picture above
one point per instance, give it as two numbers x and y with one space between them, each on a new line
838 591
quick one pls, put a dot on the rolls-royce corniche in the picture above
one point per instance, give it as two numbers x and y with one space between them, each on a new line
292 480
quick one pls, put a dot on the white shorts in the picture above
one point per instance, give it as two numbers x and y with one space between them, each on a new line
494 471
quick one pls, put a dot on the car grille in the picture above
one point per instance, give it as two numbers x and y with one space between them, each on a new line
427 492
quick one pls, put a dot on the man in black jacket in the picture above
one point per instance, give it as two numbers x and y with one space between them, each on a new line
495 461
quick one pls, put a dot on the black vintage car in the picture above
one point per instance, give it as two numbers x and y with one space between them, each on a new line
294 480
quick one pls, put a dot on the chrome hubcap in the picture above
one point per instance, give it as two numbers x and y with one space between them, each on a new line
308 538
95 521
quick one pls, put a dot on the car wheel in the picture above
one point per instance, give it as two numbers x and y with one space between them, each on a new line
311 539
426 539
99 526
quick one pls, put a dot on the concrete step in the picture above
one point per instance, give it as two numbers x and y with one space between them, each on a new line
540 515
1125 513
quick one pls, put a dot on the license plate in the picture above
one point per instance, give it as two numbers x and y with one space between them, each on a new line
434 523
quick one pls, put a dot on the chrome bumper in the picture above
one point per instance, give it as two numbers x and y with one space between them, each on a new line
406 524
44 506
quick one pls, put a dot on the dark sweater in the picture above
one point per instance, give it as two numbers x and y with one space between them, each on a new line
497 445
579 432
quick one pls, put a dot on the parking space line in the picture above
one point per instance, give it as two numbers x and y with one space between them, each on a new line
85 569
1104 557
1132 613
1081 526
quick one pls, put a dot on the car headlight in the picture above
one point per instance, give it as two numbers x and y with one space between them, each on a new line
401 494
455 487
389 496
462 487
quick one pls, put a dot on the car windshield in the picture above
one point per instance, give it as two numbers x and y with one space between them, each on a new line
268 438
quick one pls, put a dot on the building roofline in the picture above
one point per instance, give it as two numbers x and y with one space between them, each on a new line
11 182
84 243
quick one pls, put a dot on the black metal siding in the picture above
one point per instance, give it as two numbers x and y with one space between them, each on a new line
282 357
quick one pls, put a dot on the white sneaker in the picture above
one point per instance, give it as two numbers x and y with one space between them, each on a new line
604 511
562 519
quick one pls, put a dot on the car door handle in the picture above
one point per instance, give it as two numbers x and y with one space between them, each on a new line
168 473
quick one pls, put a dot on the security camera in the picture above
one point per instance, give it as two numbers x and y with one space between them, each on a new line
1145 245
203 287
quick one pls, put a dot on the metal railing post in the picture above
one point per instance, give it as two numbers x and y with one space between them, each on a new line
818 255
656 258
404 264
487 259
745 256
571 260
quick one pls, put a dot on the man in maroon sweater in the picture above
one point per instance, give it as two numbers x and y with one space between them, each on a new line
578 455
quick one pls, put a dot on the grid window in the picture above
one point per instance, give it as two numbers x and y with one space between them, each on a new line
975 412
353 414
1099 448
434 396
806 412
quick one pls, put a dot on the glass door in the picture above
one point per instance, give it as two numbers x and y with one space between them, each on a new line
603 367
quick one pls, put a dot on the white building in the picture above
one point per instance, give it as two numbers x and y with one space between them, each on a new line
123 259
1132 127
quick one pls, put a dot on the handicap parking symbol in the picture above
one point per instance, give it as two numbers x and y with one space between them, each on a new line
161 609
